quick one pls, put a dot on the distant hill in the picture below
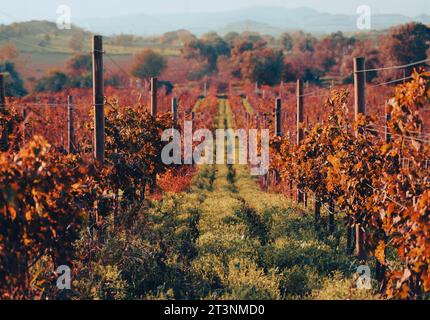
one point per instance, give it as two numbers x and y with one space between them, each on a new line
45 37
41 36
133 24
269 20
251 26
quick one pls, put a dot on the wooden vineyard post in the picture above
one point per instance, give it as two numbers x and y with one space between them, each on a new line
300 112
278 117
300 120
4 135
24 124
98 97
71 144
305 199
360 108
331 225
388 109
317 213
2 94
359 87
267 179
154 112
175 111
154 102
99 116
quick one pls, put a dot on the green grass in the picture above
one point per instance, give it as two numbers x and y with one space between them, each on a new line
224 239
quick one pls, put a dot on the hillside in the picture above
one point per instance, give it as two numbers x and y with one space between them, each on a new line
251 26
41 36
45 37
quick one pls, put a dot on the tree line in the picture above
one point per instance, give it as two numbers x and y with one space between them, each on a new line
299 55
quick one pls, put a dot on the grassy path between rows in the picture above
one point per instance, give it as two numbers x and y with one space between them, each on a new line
224 238
256 245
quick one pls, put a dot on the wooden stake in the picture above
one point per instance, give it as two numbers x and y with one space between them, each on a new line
278 117
331 225
300 112
359 86
300 132
71 146
175 111
154 89
2 94
387 120
360 108
5 134
24 123
98 96
317 212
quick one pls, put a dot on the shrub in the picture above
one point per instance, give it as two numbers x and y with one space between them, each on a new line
337 287
298 281
245 281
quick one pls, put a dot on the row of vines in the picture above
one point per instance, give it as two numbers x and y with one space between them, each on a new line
48 197
375 180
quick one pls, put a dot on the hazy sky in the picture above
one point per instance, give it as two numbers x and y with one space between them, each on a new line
46 9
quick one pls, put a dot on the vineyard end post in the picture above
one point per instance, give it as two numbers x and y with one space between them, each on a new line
98 96
2 94
300 112
359 86
387 121
360 108
154 89
175 110
4 135
300 131
331 222
278 117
